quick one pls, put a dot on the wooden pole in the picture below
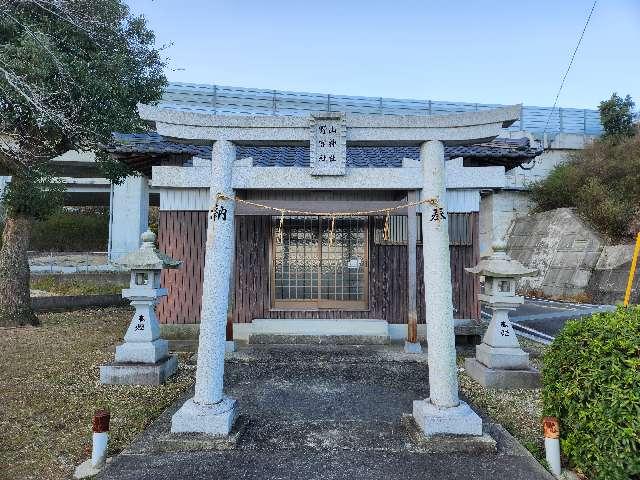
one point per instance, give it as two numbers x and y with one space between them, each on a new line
412 238
632 271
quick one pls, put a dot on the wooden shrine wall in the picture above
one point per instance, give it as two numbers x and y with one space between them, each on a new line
182 235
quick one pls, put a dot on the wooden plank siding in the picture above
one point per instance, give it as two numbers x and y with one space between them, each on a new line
182 235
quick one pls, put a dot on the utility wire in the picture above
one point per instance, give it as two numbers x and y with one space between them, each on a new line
555 102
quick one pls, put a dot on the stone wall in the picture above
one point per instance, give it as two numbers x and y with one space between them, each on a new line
561 246
571 258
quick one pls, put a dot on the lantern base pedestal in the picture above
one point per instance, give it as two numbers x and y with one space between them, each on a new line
501 378
433 420
502 358
142 352
120 373
216 419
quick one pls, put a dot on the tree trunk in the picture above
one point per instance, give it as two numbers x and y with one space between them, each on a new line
15 300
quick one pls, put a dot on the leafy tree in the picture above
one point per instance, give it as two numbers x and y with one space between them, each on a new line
71 72
616 115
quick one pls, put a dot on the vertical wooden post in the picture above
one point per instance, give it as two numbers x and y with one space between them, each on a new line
412 238
232 289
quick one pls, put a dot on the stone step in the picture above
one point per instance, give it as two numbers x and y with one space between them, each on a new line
319 331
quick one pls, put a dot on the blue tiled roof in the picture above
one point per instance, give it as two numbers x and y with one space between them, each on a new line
153 144
504 151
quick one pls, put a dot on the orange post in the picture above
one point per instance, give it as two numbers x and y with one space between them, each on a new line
632 271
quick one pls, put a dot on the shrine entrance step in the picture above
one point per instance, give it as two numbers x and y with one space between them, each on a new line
319 331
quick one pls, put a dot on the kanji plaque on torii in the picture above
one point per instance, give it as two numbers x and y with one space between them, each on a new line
328 143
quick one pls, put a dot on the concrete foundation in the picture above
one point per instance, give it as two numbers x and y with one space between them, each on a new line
318 339
86 470
216 419
410 347
502 379
447 444
184 338
432 420
319 332
138 373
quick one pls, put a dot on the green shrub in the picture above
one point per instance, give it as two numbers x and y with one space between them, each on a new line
82 230
557 189
591 382
602 182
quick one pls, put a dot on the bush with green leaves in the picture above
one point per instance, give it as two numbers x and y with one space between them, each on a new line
83 230
591 382
602 182
79 230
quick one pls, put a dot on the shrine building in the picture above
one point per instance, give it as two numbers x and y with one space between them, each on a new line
295 169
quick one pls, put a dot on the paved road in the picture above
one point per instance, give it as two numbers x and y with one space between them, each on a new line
547 317
320 413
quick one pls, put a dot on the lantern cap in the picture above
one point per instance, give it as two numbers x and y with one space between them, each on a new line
499 264
147 257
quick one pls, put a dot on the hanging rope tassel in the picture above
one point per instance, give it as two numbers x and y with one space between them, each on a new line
281 228
385 230
332 231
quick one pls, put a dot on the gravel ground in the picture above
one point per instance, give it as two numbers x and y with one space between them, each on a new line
67 259
518 410
41 293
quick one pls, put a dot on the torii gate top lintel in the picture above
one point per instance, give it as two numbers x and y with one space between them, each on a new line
451 129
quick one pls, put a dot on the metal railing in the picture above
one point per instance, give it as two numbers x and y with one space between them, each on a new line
224 100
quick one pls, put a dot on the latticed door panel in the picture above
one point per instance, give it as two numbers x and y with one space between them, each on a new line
296 258
343 263
311 271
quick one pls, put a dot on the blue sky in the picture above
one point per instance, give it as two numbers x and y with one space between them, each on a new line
482 51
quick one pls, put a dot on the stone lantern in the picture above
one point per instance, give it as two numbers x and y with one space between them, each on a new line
500 362
143 358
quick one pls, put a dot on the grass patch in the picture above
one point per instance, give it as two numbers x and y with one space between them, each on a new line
518 410
50 389
75 286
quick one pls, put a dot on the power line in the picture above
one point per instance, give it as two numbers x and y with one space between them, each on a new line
555 102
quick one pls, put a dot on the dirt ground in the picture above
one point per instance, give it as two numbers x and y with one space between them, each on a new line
49 391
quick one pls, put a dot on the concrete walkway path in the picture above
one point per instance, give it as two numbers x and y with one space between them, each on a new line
320 413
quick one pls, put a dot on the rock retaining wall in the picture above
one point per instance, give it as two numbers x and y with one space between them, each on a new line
560 246
572 259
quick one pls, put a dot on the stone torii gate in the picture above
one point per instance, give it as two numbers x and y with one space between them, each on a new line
210 410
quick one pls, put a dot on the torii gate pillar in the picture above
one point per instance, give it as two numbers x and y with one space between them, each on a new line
442 412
